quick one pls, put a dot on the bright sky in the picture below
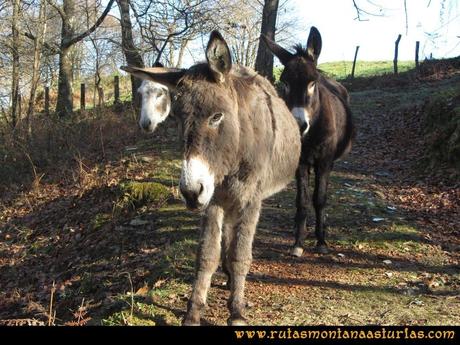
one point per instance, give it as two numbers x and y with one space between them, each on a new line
376 36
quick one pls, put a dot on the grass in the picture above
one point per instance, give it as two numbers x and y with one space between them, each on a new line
342 69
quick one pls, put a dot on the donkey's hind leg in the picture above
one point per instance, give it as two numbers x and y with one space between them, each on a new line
239 258
206 263
302 200
322 173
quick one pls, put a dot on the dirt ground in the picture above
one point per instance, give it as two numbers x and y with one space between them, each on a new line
75 254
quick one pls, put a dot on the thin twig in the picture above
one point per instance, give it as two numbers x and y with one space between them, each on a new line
132 292
50 316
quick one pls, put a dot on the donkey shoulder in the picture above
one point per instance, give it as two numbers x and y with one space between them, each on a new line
250 76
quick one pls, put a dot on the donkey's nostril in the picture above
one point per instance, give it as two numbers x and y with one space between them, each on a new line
146 125
192 196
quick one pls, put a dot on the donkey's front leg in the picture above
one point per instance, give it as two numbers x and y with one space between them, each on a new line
239 258
207 262
322 172
302 200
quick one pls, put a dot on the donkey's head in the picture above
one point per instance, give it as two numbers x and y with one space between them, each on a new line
300 77
206 102
156 98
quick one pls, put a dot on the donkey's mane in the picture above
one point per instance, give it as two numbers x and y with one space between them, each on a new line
324 80
302 51
242 77
201 71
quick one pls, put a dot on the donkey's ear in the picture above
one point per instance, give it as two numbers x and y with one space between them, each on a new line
167 76
314 44
218 56
282 54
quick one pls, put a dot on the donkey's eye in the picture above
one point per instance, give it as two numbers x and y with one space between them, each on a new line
285 87
215 119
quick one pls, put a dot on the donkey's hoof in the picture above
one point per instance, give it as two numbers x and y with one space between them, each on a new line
297 252
226 285
190 321
240 321
322 249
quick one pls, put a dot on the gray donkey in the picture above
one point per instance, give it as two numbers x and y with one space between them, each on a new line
241 145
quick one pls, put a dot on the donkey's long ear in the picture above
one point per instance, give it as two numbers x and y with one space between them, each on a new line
167 76
314 44
282 54
218 56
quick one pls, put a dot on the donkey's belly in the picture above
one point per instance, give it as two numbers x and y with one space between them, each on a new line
284 163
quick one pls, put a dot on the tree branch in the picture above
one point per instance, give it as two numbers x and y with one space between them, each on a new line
407 18
360 11
54 50
57 8
88 32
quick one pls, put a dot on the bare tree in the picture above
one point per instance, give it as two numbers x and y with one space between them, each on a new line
242 27
38 44
168 26
242 30
69 38
264 60
15 55
132 55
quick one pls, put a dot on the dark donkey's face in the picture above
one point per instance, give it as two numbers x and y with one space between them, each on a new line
207 104
300 77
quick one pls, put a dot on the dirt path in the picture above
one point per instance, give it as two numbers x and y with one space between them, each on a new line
393 233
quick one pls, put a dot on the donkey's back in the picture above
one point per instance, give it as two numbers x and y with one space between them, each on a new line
269 144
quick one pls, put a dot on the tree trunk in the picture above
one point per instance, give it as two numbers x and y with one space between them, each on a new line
15 73
68 39
64 104
38 43
133 58
183 47
264 59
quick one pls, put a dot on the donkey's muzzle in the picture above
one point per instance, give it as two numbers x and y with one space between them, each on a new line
196 183
192 196
147 125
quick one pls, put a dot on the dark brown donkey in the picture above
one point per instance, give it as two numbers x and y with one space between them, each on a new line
241 146
321 108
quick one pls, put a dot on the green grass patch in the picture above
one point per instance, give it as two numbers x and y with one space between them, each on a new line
342 69
137 194
441 121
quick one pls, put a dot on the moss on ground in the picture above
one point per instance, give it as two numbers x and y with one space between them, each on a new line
441 121
137 194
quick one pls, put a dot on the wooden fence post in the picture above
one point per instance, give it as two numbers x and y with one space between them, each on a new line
354 63
395 60
116 82
47 100
417 47
82 96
